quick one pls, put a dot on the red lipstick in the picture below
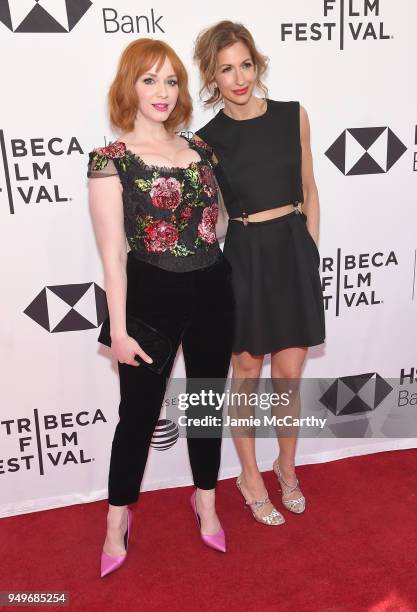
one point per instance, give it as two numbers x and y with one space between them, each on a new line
240 92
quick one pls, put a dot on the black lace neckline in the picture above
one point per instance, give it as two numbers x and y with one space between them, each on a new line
170 169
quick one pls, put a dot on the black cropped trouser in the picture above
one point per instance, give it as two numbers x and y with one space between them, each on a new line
194 309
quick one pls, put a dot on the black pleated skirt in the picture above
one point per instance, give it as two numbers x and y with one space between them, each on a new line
276 282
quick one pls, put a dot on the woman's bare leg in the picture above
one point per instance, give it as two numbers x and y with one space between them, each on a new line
246 372
287 364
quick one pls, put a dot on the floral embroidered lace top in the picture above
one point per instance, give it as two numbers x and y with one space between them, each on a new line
169 213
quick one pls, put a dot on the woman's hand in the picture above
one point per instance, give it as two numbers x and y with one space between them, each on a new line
124 349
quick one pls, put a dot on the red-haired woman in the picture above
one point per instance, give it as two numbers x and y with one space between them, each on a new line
156 190
265 171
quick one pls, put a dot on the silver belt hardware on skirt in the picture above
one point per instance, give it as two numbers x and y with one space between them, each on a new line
295 204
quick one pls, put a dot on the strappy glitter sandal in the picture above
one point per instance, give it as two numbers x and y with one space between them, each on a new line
297 505
273 518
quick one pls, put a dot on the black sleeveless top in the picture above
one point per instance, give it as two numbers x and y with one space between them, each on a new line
170 214
259 159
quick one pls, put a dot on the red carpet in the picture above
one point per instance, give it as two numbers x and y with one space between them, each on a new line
354 549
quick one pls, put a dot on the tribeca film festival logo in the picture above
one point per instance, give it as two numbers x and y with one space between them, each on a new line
359 151
347 280
53 440
344 20
65 308
42 16
50 440
28 177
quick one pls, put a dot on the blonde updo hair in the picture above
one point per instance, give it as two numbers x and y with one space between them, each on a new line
212 40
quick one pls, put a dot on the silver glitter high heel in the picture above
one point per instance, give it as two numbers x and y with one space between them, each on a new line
297 505
273 518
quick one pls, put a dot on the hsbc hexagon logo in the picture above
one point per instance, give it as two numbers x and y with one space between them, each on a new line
366 151
64 308
42 16
356 394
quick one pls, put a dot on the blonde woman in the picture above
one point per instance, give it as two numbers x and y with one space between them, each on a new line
265 172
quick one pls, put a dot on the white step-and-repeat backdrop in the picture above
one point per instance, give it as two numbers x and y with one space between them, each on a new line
348 62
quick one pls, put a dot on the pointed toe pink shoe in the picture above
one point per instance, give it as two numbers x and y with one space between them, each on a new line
217 540
110 563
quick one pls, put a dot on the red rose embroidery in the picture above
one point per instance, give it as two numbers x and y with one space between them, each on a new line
202 144
160 236
186 212
207 180
210 214
113 150
207 225
166 193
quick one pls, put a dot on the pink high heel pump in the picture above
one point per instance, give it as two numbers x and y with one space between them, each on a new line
110 563
217 540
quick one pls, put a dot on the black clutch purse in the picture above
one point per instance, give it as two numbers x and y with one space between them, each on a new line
155 344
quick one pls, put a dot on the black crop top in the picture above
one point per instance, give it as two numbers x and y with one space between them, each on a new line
259 159
170 214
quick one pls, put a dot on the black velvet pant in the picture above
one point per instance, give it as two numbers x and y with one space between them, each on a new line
195 309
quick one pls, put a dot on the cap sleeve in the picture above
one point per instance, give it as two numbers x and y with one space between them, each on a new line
100 166
202 146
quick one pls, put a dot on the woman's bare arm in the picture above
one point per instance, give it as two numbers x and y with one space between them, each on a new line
223 217
311 204
106 206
